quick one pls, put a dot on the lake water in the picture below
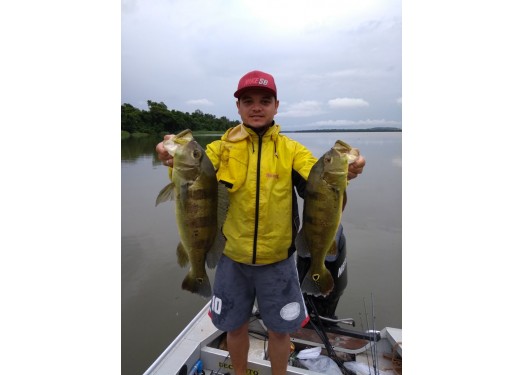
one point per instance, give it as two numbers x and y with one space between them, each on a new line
154 307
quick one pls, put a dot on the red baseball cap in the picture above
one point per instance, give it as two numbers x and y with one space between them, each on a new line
256 79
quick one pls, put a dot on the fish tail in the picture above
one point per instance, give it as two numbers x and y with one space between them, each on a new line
197 285
318 284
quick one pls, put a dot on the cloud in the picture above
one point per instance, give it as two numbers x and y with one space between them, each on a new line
305 108
177 51
347 103
204 102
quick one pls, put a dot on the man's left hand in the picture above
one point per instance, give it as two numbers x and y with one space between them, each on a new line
356 168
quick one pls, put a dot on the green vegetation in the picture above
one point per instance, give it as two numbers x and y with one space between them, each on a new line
125 135
160 120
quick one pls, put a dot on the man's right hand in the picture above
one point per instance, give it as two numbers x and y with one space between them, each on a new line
163 154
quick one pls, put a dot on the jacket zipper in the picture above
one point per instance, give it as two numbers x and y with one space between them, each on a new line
257 193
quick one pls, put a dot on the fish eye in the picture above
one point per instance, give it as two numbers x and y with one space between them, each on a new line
196 154
328 159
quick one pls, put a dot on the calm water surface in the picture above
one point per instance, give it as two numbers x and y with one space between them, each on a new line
155 308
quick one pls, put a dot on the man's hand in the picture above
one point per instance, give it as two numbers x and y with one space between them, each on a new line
163 154
356 168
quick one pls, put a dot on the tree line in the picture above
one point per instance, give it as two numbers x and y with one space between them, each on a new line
159 119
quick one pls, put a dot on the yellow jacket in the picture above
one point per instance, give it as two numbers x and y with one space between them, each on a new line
262 218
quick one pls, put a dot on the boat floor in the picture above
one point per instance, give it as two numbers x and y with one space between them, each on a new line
201 340
348 349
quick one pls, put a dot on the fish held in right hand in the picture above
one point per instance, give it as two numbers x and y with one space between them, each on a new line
195 190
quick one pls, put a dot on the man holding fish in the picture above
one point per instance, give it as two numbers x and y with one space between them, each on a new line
259 167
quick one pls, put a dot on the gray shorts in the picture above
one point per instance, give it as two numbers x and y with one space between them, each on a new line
276 287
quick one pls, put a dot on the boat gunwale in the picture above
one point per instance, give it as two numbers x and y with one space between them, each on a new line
177 339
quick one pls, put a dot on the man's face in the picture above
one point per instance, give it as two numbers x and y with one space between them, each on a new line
257 108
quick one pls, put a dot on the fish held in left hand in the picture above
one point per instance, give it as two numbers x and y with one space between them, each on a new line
324 201
194 189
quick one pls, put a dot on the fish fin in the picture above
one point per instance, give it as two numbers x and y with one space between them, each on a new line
215 252
182 255
223 203
197 285
166 194
301 245
318 284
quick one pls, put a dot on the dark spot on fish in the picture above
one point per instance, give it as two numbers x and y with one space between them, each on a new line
314 195
317 221
200 222
309 219
199 194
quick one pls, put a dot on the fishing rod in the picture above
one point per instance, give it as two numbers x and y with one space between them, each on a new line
326 341
374 328
366 351
373 353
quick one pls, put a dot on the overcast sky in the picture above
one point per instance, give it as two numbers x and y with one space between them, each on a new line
337 64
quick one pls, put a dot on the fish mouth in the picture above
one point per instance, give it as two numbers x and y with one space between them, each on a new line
179 140
173 144
342 147
346 151
183 137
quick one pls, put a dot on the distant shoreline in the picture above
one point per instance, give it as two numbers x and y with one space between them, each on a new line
344 130
125 135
